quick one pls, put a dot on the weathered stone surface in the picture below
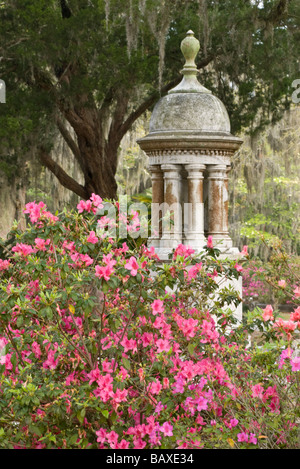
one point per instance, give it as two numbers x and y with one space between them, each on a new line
186 112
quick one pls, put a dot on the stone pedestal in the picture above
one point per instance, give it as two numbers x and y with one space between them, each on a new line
190 149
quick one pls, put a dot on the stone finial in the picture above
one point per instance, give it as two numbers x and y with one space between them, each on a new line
190 47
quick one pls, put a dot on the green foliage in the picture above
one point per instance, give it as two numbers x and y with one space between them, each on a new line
264 188
108 59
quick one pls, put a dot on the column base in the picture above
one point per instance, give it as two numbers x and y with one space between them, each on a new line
221 241
195 242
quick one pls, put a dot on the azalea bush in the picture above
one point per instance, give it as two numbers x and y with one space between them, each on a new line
273 281
104 346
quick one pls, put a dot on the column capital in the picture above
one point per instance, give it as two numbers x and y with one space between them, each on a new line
217 171
195 167
156 172
171 167
195 170
171 171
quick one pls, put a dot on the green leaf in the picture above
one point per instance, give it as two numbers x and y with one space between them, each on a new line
105 413
191 348
126 363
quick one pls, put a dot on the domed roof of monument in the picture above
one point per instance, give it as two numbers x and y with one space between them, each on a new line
189 107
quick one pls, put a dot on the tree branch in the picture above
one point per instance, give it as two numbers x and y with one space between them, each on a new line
62 176
70 141
278 12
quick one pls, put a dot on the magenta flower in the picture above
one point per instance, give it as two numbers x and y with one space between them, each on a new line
295 316
101 435
295 362
4 265
104 272
268 313
297 292
50 362
242 437
23 249
167 429
157 307
244 251
97 201
162 345
92 238
84 206
257 391
282 283
192 273
132 265
154 387
183 250
41 244
233 423
238 267
252 438
210 242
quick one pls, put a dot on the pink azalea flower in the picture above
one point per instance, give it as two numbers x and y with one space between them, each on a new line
101 435
210 242
122 445
154 387
295 362
166 383
166 428
193 271
157 307
34 210
162 345
112 437
104 272
41 244
238 267
297 292
84 206
282 283
244 251
97 201
183 250
36 349
233 423
92 238
257 391
147 339
268 313
132 265
23 249
252 438
129 344
139 443
50 362
295 316
4 265
242 437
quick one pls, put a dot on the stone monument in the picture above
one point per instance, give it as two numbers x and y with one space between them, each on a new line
190 147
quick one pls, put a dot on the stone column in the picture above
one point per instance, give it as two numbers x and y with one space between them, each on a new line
172 211
157 204
194 210
217 212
